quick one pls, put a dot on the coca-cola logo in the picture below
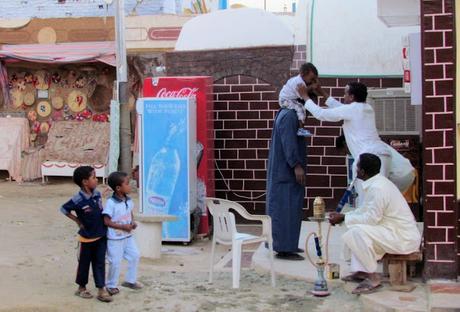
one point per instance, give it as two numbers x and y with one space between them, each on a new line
184 92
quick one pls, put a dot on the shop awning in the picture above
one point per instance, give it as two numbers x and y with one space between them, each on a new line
76 52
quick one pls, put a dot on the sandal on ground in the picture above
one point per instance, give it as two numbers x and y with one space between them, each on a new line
355 277
83 293
366 287
104 297
134 286
113 291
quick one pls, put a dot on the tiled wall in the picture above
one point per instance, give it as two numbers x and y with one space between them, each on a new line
441 216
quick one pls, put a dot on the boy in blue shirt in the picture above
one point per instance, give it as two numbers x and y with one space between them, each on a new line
118 216
87 205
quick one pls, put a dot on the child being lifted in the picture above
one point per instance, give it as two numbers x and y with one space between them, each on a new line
290 98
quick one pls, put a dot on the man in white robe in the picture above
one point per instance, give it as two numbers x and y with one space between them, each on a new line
383 224
360 131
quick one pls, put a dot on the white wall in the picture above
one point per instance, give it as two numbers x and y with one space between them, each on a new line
349 39
343 38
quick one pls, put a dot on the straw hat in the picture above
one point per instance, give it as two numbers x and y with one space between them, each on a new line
41 80
77 101
32 115
29 98
21 85
17 98
57 102
44 127
43 109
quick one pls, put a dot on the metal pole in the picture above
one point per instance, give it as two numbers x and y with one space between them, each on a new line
122 73
122 84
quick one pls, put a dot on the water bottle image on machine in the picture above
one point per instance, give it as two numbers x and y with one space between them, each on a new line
163 174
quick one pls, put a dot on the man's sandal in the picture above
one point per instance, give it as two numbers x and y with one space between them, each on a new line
113 291
83 293
135 286
366 287
355 277
104 297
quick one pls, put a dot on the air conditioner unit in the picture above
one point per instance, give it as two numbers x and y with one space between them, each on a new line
394 114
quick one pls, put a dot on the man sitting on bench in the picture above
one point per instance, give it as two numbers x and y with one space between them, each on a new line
383 224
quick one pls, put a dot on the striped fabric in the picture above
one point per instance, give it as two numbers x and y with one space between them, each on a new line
77 52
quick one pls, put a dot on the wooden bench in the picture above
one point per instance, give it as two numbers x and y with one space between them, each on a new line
395 266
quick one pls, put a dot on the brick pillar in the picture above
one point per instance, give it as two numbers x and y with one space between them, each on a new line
440 209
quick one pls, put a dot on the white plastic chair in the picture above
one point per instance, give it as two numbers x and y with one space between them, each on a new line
225 233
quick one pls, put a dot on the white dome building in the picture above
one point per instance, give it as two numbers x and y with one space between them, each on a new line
234 28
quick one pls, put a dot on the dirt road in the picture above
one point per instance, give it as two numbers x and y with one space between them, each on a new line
38 263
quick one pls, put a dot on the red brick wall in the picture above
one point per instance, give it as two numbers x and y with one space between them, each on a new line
300 55
440 208
244 111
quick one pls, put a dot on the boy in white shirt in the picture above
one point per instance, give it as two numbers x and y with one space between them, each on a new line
118 216
290 98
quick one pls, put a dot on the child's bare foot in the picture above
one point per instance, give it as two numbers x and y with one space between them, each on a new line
83 293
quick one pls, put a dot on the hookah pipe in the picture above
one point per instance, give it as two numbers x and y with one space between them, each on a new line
320 216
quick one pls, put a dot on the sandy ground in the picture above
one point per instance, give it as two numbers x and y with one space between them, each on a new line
38 264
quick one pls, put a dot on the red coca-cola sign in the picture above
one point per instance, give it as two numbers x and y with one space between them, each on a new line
183 92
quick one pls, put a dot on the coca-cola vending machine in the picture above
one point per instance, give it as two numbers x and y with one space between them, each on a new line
201 89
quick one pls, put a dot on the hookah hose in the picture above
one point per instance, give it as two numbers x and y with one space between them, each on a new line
345 197
318 247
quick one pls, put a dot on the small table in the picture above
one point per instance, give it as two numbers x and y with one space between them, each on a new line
149 234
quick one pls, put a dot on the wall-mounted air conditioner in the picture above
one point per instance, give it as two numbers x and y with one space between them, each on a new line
394 114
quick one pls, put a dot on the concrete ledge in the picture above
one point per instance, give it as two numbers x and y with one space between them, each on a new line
149 234
154 219
304 270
